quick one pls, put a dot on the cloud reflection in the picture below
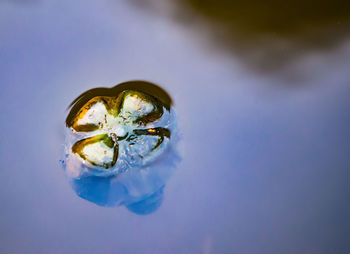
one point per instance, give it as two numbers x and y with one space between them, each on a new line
265 35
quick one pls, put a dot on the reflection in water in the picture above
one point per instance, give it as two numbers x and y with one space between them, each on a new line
265 34
116 141
140 190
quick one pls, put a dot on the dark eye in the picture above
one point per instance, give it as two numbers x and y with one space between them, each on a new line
139 108
99 150
92 115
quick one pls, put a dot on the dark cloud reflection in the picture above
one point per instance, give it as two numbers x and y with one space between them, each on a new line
266 35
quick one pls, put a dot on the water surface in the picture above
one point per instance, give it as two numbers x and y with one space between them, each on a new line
265 155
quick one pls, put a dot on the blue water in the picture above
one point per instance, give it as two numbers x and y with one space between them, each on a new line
264 158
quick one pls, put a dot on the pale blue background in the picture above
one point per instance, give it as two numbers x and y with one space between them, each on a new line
265 159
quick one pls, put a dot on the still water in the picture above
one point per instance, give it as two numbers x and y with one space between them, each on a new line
262 162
